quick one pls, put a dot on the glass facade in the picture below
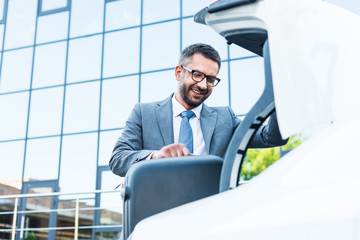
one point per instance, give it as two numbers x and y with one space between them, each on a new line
71 71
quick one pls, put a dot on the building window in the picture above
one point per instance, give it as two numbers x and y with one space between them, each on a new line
53 6
3 10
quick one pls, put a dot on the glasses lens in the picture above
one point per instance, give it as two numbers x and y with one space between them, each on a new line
212 81
197 76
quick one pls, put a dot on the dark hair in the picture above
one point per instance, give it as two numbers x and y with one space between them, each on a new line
202 48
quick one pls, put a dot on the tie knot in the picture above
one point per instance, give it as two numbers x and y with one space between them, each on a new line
187 114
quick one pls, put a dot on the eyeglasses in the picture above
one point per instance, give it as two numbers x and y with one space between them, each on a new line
197 76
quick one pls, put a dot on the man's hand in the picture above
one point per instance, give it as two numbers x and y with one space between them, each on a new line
172 150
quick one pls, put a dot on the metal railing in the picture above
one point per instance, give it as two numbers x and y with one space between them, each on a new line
15 229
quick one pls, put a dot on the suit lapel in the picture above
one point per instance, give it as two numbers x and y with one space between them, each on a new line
164 117
207 122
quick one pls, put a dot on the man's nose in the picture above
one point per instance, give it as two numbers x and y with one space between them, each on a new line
203 84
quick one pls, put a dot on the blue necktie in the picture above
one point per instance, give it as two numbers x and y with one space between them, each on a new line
185 134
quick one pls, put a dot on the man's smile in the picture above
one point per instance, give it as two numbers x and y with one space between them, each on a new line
198 92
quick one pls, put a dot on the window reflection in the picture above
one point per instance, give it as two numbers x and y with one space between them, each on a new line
107 143
122 52
163 83
121 14
48 5
13 109
46 112
119 97
161 46
82 107
11 152
52 27
78 163
159 10
243 94
86 17
20 23
1 36
192 7
49 65
12 79
2 11
84 59
42 154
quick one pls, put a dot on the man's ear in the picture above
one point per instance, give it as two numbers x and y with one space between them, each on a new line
178 71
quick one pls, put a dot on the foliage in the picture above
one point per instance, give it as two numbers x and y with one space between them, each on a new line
108 235
30 236
257 160
294 141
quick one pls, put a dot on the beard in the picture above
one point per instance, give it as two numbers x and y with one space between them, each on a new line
185 94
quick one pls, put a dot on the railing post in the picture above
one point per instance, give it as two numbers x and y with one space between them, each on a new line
76 219
22 227
13 233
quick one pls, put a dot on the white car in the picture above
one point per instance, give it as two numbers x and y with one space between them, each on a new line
314 191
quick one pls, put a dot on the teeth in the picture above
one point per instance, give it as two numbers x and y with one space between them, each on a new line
196 91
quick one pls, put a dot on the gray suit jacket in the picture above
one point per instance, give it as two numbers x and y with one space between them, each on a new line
150 127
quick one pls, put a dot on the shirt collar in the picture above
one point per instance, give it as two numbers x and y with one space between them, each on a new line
178 108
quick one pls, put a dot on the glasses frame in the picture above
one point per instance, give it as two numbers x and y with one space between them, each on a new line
205 76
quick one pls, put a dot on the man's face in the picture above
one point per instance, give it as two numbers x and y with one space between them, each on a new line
190 93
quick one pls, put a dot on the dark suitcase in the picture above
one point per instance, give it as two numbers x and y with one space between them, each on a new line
153 186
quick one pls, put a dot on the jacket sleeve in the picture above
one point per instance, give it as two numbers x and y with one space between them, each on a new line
268 135
128 148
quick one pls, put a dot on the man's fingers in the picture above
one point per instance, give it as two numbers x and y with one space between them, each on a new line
185 151
173 150
155 155
181 150
166 152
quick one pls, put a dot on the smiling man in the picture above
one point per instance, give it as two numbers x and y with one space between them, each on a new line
182 124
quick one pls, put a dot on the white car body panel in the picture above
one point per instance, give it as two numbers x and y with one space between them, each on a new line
314 191
315 57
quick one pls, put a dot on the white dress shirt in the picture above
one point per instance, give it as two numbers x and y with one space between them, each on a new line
198 139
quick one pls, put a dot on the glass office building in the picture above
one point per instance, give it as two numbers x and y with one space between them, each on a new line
70 73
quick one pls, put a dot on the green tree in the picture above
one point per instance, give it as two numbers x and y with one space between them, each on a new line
30 236
257 160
